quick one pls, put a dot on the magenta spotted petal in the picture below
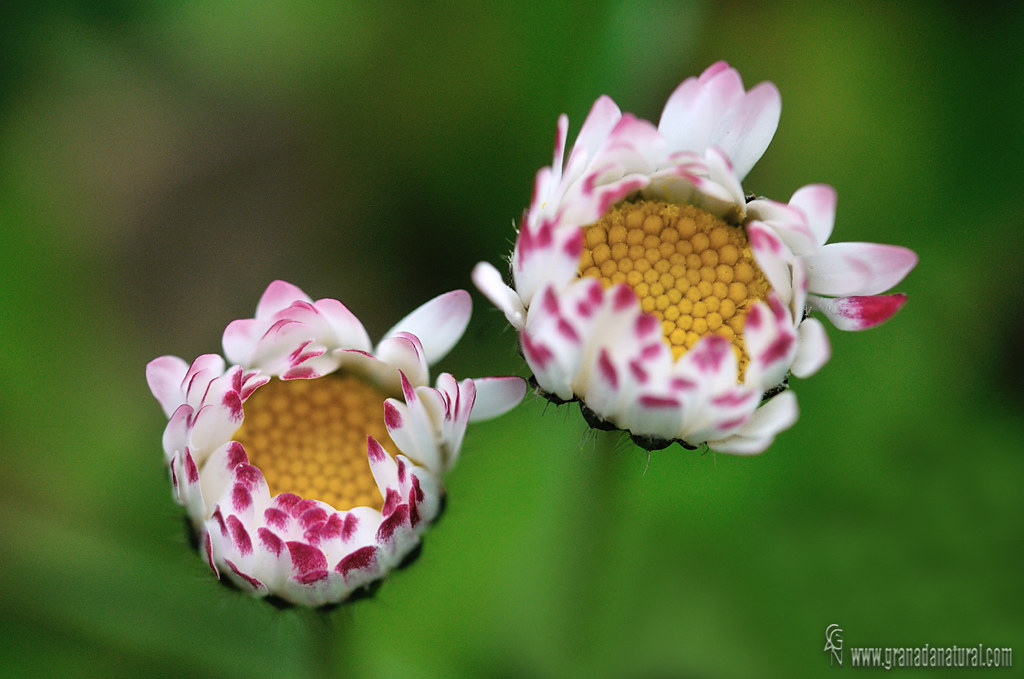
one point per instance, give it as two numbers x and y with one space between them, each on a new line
841 280
313 463
644 285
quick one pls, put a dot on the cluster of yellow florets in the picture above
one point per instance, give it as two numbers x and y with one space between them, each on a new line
308 437
695 272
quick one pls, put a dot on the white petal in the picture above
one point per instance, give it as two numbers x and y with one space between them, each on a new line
818 203
164 376
771 341
405 353
772 256
600 121
722 192
713 110
697 105
241 338
413 433
745 134
846 269
813 348
212 426
438 323
279 295
496 396
757 434
349 332
489 281
789 223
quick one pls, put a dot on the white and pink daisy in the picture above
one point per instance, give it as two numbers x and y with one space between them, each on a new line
310 462
645 286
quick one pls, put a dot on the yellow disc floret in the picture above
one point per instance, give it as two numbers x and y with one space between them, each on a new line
308 437
692 270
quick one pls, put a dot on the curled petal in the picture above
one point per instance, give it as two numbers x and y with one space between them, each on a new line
405 353
438 324
858 313
240 338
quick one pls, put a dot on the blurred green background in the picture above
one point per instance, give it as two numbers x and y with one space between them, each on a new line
160 163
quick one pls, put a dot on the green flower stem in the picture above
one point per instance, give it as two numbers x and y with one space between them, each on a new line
322 630
591 534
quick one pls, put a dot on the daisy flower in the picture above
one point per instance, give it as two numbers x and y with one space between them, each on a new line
310 462
647 287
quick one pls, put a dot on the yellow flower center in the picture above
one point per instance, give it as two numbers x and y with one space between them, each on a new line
308 437
692 270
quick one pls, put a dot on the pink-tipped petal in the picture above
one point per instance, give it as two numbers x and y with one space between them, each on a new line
655 415
279 295
858 269
692 111
405 353
438 323
787 221
412 435
858 313
164 376
348 330
713 110
818 204
600 121
203 371
240 340
745 134
771 341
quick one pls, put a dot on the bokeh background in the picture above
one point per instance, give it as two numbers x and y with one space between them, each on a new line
160 163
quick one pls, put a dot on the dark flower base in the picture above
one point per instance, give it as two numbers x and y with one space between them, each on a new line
648 443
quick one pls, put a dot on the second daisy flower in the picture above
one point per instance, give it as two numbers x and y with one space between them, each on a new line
646 286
